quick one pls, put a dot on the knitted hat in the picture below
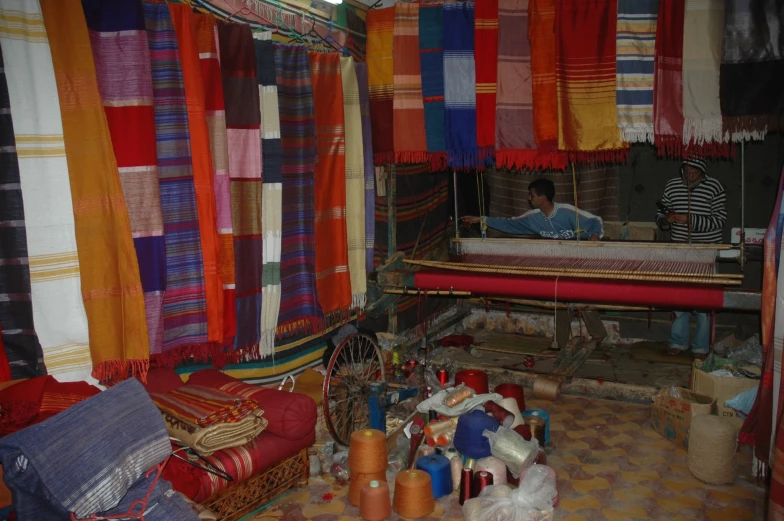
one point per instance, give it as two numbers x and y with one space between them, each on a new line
695 161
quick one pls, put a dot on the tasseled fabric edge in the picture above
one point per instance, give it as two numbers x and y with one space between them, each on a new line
437 161
600 157
673 146
531 159
411 157
383 158
111 372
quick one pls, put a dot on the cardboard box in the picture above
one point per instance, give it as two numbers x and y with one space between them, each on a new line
722 388
671 416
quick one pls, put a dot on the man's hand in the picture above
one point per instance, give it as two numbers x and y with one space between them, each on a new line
681 218
470 219
595 237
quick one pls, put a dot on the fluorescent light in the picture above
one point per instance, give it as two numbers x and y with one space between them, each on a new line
336 2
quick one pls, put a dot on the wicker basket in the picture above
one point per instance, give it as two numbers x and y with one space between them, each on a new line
243 498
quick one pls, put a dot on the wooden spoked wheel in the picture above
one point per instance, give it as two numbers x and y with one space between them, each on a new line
356 363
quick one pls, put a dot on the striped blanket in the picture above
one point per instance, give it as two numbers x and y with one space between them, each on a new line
55 282
20 343
380 23
668 87
367 158
271 191
585 80
487 65
118 36
215 112
408 111
201 158
460 85
355 184
541 34
299 307
243 129
332 278
431 57
635 43
203 406
184 303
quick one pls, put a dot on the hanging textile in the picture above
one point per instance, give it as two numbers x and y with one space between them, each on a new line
380 23
773 367
206 39
460 85
5 366
20 343
486 27
585 80
356 36
119 45
332 278
243 129
408 114
702 33
368 170
201 158
271 191
431 58
111 284
355 184
55 283
184 303
541 34
668 87
635 43
752 68
299 306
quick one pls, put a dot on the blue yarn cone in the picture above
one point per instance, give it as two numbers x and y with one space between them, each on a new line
468 434
440 472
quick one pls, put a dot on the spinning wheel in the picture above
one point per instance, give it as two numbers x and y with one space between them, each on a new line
356 363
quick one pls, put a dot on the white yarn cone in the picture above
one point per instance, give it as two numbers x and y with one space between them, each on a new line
510 404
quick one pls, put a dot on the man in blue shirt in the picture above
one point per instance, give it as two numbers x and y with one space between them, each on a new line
547 219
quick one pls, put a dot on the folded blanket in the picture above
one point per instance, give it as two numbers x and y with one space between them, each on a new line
206 440
203 406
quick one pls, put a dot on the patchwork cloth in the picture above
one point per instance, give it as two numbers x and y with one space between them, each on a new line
215 113
635 43
55 281
111 285
367 167
380 23
20 343
117 36
486 29
431 58
184 303
541 34
203 406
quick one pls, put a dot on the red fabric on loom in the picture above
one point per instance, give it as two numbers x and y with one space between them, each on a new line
486 59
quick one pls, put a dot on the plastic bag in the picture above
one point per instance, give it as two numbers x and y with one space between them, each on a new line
749 352
531 501
512 449
436 403
339 466
742 402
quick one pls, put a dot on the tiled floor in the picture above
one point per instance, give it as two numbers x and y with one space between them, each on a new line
610 464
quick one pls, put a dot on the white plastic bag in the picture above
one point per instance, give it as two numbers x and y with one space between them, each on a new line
512 449
531 501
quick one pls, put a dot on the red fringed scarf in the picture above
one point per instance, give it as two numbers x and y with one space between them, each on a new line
486 58
380 23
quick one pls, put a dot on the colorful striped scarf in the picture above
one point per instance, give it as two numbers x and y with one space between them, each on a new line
367 158
635 43
355 184
408 110
541 34
184 303
271 192
431 58
460 85
55 282
118 37
206 36
668 87
111 285
201 158
585 80
21 345
332 277
243 129
203 406
299 307
380 23
487 65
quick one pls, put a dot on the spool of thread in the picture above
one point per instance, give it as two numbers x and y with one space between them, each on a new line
413 494
537 424
524 431
539 412
431 441
374 503
452 453
434 429
503 416
466 484
546 388
442 440
494 466
458 396
443 377
359 480
440 474
367 452
473 378
515 391
712 447
482 479
456 466
468 439
510 404
469 463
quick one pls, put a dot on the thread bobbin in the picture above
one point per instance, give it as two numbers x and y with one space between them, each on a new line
413 494
546 388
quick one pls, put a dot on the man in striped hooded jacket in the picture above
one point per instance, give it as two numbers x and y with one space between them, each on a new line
694 207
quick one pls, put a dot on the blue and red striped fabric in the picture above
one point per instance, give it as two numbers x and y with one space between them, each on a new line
431 57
